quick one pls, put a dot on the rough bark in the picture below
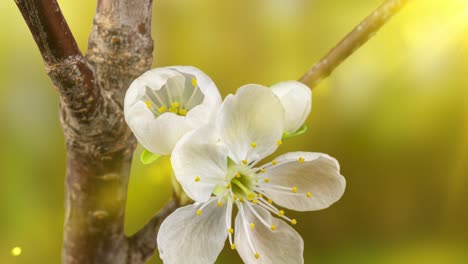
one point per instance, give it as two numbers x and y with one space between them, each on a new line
64 62
120 46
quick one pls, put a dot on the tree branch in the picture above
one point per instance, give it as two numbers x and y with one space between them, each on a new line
351 42
121 37
49 29
64 62
143 243
99 144
99 153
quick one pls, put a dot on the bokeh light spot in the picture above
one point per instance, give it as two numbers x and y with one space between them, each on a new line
16 251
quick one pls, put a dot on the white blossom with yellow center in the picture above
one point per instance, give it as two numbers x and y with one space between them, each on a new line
165 103
217 166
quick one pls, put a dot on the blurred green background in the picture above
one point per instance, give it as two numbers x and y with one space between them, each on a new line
395 115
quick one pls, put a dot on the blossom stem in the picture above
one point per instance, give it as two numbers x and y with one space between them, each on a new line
351 42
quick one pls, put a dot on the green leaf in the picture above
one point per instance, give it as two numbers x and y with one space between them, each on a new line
148 157
299 132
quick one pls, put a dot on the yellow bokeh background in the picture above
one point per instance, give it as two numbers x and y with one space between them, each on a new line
395 115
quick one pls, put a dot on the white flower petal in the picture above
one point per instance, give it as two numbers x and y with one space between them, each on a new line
139 118
157 135
157 77
207 110
185 237
252 117
296 99
281 246
200 162
153 93
312 174
207 86
154 79
201 114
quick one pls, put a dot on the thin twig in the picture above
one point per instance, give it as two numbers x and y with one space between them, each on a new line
49 29
64 62
355 39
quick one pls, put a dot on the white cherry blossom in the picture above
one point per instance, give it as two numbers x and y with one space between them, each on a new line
217 166
296 99
165 103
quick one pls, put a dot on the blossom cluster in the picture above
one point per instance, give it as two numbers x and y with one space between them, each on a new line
216 147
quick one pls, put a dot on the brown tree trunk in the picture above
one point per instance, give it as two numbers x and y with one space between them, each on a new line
99 143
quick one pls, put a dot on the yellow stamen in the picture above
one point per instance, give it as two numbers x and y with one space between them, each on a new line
241 199
293 221
267 180
273 227
251 196
252 225
279 142
301 159
182 112
220 204
255 201
228 185
281 213
244 162
197 179
309 194
199 212
194 82
262 170
148 104
270 201
233 246
260 195
162 109
274 162
173 109
294 189
253 144
235 197
257 256
238 175
175 104
231 230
